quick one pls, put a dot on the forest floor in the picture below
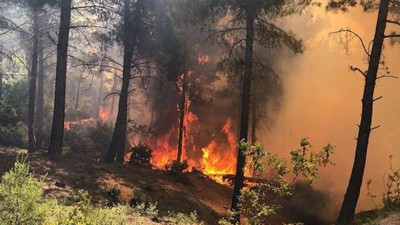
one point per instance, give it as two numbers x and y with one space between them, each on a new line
194 192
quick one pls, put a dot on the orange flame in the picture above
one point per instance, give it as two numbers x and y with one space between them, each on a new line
103 114
213 162
69 124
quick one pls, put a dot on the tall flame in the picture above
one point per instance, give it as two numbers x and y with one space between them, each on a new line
215 163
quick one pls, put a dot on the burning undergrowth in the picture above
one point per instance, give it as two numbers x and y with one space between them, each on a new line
207 91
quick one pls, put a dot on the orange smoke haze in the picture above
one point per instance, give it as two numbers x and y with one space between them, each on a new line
322 99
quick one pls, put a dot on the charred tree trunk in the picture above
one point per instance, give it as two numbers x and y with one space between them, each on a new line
254 119
32 82
245 111
117 145
40 98
57 128
356 179
182 119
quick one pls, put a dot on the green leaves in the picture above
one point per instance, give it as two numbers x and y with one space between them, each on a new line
20 196
274 177
306 163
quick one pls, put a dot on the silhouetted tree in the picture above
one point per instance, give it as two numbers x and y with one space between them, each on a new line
131 21
57 128
370 76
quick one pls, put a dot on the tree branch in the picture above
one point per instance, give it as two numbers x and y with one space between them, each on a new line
358 70
356 35
393 22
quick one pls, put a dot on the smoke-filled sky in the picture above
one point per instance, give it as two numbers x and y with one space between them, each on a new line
322 99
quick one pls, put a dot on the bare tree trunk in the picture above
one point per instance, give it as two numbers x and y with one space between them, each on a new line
182 119
353 190
57 129
99 98
114 89
254 119
1 77
117 145
78 93
245 111
40 98
32 82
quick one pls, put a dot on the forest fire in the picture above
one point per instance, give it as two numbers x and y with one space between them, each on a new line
68 125
214 160
103 116
215 163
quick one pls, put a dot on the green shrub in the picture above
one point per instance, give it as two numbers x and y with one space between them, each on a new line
21 196
255 202
8 114
13 136
142 156
114 192
22 203
184 219
16 97
391 194
79 210
100 135
77 141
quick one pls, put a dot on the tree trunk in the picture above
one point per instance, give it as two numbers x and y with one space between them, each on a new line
353 190
99 98
40 98
254 120
32 82
117 145
1 78
245 111
182 119
114 89
57 129
78 93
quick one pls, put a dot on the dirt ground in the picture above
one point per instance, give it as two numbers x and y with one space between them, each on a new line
80 171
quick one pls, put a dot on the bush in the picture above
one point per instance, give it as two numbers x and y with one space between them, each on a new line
8 114
100 135
21 196
255 202
178 171
77 142
183 219
142 156
114 192
13 136
22 203
391 194
177 168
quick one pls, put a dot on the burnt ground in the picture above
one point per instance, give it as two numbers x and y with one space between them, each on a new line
195 192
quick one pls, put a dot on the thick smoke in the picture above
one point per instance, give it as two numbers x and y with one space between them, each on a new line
322 100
